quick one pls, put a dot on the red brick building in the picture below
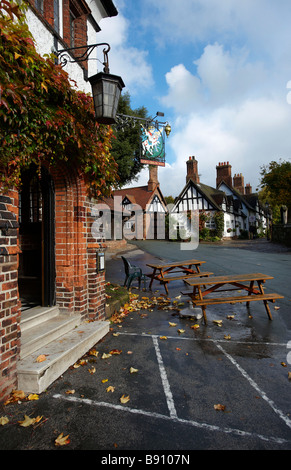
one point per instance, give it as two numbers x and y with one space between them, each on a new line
50 279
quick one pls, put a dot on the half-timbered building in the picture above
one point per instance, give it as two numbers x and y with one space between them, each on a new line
138 212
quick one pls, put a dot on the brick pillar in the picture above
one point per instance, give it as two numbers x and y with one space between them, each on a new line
9 297
153 181
96 280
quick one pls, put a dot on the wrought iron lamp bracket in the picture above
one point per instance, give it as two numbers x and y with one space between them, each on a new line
65 55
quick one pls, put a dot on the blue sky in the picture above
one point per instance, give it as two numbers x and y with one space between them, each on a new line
220 70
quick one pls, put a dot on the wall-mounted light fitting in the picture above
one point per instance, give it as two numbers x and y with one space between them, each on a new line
106 88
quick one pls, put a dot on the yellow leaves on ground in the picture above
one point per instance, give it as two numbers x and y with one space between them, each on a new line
19 395
62 440
219 407
110 389
93 352
124 399
3 420
106 356
29 421
132 370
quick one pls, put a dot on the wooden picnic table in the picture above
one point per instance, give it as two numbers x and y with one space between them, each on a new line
238 282
167 272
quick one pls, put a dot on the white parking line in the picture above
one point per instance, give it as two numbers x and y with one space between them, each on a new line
170 401
164 378
205 426
255 386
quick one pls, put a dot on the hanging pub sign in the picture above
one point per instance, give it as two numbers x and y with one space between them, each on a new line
152 146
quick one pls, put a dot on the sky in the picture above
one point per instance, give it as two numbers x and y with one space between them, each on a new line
220 71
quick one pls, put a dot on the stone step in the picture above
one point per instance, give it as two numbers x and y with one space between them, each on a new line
60 354
36 315
40 334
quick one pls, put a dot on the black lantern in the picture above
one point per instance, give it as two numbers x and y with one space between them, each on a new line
106 90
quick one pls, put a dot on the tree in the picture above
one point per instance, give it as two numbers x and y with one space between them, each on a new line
276 180
126 145
42 116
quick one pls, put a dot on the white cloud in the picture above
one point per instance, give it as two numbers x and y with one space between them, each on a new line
227 86
248 137
129 62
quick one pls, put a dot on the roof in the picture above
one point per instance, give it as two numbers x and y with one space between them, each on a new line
214 196
139 195
243 197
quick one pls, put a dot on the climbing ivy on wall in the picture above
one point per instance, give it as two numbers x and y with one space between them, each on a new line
43 117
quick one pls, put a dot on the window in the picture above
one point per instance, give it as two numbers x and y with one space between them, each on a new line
56 16
72 29
39 5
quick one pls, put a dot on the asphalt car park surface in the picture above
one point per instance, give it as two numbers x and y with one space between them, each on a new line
208 388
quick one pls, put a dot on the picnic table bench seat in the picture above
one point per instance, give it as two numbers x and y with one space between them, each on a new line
239 283
176 270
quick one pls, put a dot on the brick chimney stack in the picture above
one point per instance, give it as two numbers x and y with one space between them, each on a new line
223 173
192 170
238 183
153 181
248 189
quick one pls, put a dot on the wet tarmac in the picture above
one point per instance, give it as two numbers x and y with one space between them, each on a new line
181 374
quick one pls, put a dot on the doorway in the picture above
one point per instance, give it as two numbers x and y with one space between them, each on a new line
36 274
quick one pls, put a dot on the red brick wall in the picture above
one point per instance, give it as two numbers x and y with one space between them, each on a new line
9 299
79 289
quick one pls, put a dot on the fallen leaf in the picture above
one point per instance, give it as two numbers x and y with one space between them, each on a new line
289 375
106 356
33 396
178 349
27 421
92 370
132 370
104 381
115 351
70 392
219 407
276 308
3 420
230 317
217 322
16 395
195 327
110 389
41 358
283 364
124 399
62 440
181 331
172 324
227 337
93 352
163 337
